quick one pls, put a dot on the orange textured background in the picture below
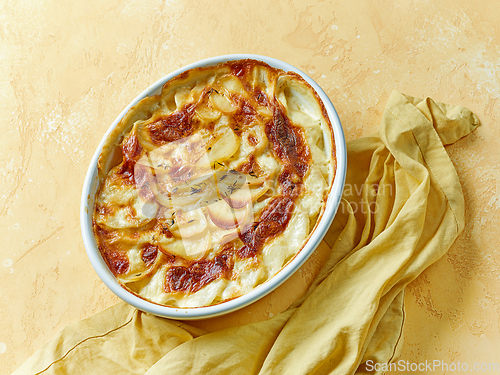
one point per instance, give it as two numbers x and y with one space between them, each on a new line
67 69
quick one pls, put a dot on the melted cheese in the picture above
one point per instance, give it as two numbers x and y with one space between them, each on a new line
237 161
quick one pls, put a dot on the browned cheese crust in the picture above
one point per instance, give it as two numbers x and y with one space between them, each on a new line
259 129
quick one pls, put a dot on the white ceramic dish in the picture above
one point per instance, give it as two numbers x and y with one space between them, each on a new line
91 184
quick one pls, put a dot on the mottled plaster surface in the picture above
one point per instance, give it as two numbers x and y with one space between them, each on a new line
68 68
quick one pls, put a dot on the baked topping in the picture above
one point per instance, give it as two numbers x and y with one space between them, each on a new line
208 189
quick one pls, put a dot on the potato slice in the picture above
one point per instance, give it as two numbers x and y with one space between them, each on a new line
181 96
226 217
188 223
239 198
247 195
207 113
138 269
222 103
150 209
221 236
230 84
191 248
226 144
120 205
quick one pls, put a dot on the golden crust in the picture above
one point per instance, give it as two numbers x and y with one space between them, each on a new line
209 188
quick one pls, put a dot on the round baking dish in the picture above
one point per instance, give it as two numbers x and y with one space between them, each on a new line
91 183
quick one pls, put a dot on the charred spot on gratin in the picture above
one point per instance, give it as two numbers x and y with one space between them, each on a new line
208 189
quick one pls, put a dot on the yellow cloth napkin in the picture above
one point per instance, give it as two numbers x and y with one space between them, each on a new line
401 210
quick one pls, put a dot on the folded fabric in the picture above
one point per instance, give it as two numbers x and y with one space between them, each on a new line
401 210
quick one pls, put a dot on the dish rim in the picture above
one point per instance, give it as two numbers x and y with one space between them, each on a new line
315 238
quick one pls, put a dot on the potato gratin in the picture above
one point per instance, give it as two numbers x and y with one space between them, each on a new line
208 189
